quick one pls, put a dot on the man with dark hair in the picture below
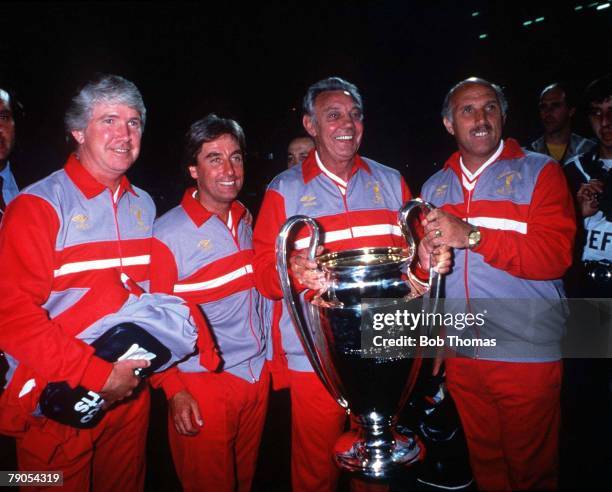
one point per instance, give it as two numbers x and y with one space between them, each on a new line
557 108
509 217
202 252
589 176
355 201
8 186
74 248
590 380
298 149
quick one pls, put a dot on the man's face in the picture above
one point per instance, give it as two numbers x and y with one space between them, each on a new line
337 127
477 122
219 173
298 150
555 114
110 143
7 131
600 116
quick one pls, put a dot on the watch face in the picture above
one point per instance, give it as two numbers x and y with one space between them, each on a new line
473 238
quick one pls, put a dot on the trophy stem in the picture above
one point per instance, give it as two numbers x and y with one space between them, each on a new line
376 449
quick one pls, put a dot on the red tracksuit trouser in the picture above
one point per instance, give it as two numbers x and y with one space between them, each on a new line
510 414
223 455
110 457
317 421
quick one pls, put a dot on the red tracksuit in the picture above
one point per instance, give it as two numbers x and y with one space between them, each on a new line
64 242
365 216
509 404
198 258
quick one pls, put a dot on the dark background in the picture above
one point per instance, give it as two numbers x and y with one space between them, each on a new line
254 64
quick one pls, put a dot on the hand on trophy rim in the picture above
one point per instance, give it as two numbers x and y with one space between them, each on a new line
453 231
307 272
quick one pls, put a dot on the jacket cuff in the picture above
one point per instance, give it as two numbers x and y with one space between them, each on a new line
484 244
420 272
97 373
172 384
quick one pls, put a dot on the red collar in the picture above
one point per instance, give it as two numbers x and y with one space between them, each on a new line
512 150
311 170
200 214
85 182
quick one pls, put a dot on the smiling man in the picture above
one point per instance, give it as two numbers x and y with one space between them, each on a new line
202 252
66 243
509 216
355 200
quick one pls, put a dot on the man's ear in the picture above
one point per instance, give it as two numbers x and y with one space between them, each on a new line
309 125
572 111
193 172
448 125
79 136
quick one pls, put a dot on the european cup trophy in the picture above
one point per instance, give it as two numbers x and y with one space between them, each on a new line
372 385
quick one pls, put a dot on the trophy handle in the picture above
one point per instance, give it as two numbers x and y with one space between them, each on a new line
434 282
304 333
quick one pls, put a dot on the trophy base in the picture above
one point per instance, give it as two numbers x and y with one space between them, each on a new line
352 454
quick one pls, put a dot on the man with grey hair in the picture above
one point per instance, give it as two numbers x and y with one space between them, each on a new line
355 201
8 186
557 109
508 215
73 247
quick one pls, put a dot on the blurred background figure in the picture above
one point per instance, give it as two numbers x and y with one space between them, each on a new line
557 108
8 185
589 380
298 149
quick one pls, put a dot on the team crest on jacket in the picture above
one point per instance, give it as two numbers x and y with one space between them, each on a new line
377 195
308 200
138 215
508 180
440 190
205 244
81 221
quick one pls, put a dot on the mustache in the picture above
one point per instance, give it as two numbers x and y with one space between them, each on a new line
486 128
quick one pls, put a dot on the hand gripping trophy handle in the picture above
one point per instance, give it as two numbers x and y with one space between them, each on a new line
404 216
305 334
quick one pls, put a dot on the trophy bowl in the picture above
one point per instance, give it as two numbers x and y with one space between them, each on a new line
369 382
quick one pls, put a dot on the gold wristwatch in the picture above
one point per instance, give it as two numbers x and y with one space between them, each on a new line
473 238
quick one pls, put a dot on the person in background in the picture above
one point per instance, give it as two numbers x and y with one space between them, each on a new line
298 149
8 186
557 108
589 380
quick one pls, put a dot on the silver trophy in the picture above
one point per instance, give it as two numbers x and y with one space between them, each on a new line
370 385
